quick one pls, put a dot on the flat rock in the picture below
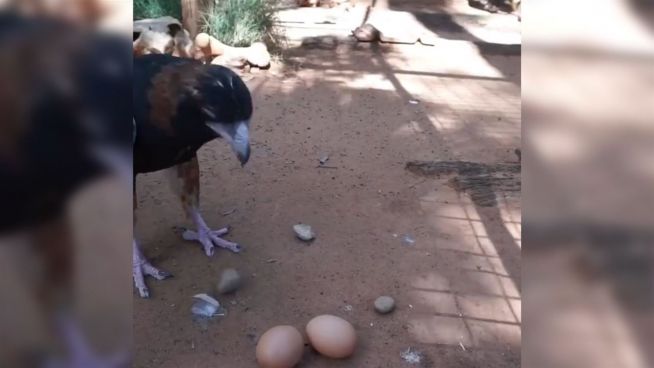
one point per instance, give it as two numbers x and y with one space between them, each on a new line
396 26
230 281
384 304
304 232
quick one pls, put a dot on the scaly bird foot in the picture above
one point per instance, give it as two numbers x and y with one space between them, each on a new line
211 239
141 267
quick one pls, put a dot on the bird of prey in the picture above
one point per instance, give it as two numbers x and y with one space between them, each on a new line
65 119
179 105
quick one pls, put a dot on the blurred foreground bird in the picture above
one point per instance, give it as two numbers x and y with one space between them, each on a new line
179 105
65 120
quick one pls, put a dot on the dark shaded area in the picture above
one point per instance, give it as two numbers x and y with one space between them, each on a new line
618 256
480 181
440 23
143 9
622 256
626 258
644 10
320 43
487 48
492 6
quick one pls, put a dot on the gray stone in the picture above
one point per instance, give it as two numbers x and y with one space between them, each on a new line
384 304
366 33
230 281
304 232
395 26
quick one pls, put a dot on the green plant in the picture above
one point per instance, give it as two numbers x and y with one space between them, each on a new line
242 22
157 8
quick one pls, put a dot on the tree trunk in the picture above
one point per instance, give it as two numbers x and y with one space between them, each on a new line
191 16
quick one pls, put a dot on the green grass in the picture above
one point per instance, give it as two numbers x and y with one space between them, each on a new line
242 22
157 8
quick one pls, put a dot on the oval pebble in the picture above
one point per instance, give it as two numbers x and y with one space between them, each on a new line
304 232
230 281
384 304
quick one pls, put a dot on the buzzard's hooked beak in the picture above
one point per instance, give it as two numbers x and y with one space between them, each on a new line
238 136
241 142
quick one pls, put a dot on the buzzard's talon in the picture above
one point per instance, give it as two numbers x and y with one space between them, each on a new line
141 267
209 238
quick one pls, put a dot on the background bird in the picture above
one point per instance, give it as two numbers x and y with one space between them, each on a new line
179 105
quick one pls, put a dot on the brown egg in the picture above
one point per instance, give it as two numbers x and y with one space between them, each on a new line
332 336
280 347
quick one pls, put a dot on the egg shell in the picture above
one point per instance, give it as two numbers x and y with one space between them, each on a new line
332 336
280 347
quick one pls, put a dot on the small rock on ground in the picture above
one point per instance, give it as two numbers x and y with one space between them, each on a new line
384 304
304 232
230 281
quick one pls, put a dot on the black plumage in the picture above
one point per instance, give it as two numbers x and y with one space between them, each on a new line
174 99
63 98
65 120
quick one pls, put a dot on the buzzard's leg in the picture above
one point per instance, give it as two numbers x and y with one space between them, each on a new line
80 353
185 179
141 267
55 294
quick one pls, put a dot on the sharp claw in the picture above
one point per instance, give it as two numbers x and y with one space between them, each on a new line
141 268
207 237
165 275
222 243
211 238
158 274
144 293
207 245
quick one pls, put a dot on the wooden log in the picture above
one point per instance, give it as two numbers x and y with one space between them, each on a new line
191 16
211 49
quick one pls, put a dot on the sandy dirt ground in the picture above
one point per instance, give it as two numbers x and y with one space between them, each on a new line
458 288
